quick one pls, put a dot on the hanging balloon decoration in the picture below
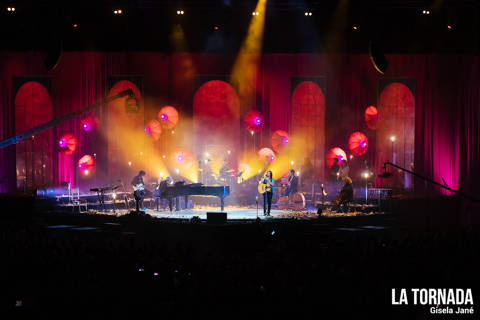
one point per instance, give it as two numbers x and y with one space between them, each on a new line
254 121
358 143
266 155
154 129
183 159
168 117
86 164
67 144
335 153
279 140
371 117
88 124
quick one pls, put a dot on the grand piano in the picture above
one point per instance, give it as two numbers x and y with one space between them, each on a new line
194 189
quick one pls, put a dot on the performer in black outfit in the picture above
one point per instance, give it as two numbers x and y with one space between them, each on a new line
345 196
334 170
139 189
267 195
292 183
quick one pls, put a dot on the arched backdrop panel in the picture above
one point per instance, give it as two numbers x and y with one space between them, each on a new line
216 112
396 110
308 123
34 156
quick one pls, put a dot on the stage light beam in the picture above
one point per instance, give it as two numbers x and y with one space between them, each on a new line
248 58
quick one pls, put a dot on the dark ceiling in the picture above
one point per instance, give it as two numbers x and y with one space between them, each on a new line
397 26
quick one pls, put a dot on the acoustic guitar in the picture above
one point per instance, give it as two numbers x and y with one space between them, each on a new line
264 187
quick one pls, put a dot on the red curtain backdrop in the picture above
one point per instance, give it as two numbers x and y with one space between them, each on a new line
447 100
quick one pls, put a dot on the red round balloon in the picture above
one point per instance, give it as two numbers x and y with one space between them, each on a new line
67 144
254 121
168 116
337 153
154 129
371 117
279 140
86 162
266 155
183 159
358 143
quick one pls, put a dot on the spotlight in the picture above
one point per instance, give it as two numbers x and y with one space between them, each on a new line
426 12
292 163
62 142
129 163
114 195
141 153
251 132
298 173
75 25
173 132
207 154
86 172
308 14
449 27
164 117
11 9
228 151
118 11
164 156
215 28
351 156
392 138
255 13
180 12
177 171
355 28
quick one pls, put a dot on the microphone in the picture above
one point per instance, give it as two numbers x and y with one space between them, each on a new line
385 175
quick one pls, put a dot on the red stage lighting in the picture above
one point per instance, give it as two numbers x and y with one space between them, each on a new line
168 116
335 153
371 117
254 121
358 143
67 144
87 162
266 155
88 124
279 140
154 129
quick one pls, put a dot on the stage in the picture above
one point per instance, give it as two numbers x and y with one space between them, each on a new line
244 213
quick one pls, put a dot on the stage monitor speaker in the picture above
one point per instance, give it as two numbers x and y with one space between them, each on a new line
216 217
377 56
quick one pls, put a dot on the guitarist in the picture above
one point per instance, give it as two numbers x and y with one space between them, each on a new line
292 183
269 184
138 189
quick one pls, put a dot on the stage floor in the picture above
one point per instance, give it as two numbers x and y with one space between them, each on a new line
243 213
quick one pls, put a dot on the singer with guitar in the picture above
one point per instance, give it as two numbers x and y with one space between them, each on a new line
138 189
266 186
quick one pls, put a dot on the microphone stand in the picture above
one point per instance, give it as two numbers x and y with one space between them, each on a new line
125 198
